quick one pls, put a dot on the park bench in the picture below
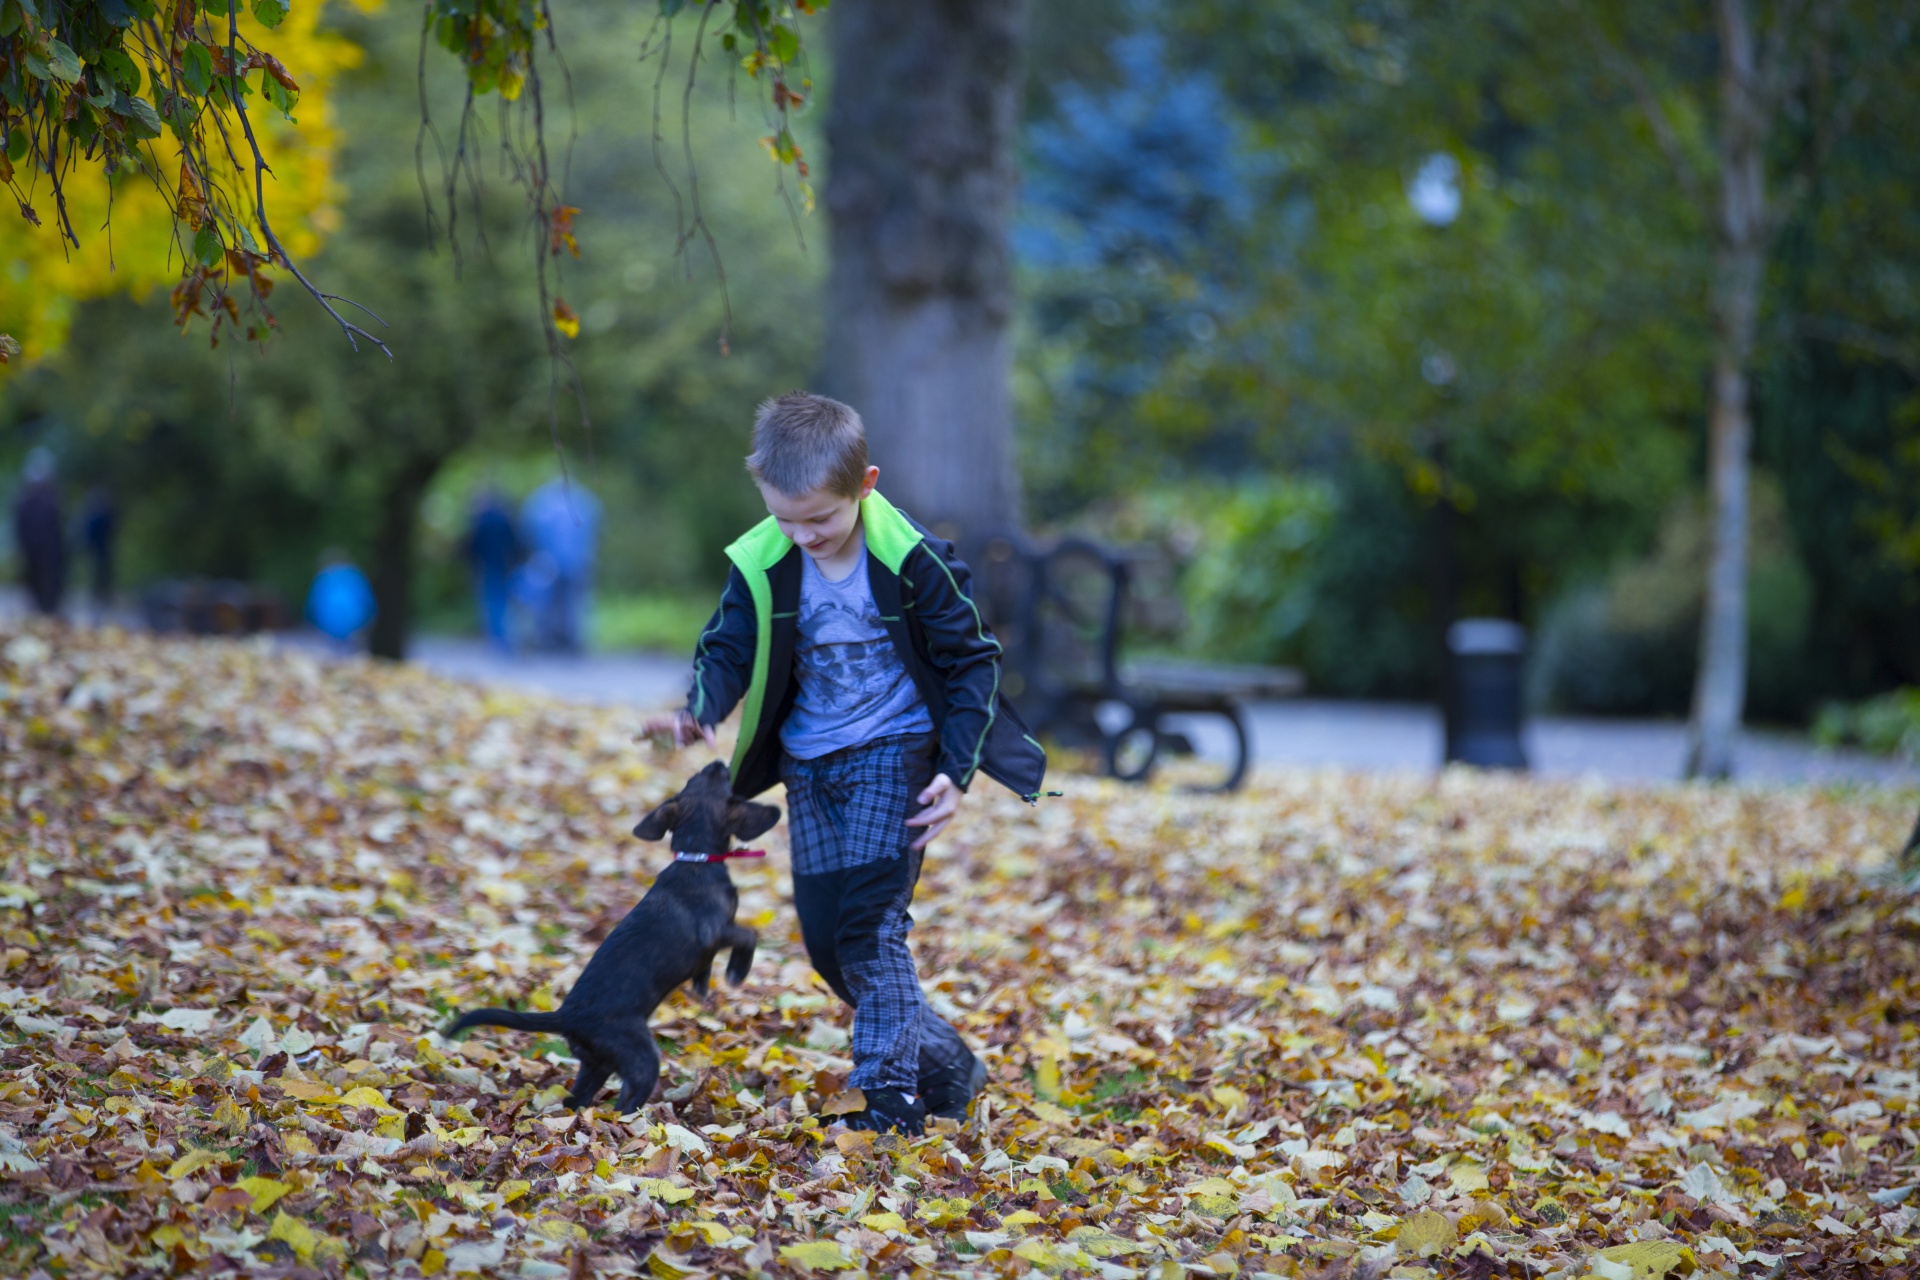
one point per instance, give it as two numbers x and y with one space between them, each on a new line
1063 609
204 607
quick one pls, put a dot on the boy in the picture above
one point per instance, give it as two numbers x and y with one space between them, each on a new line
871 684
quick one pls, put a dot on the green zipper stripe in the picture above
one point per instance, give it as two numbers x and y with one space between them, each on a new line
755 552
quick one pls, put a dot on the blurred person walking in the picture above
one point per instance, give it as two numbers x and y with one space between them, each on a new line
40 533
493 547
340 603
98 523
561 522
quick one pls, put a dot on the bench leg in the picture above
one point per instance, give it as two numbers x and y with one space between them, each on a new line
1141 733
1236 717
1242 748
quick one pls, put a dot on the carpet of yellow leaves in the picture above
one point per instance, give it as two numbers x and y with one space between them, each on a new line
1335 1025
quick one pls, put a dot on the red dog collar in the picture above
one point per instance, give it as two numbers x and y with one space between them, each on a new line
680 856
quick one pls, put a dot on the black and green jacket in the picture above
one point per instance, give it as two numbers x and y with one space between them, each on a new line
924 594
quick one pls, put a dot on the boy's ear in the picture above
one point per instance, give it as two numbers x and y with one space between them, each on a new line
746 820
660 821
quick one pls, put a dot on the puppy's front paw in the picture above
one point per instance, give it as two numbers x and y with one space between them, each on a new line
740 959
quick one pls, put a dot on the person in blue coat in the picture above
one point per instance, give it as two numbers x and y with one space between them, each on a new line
561 523
493 548
40 532
340 603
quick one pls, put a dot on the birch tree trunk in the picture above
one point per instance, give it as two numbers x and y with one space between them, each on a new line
920 190
1720 687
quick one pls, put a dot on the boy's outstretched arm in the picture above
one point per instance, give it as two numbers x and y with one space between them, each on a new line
722 666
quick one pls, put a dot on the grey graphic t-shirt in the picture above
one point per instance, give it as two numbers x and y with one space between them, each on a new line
852 685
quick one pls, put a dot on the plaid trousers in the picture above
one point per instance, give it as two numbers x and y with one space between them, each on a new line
853 880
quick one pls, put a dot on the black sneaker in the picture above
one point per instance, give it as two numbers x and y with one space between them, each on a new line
949 1087
890 1111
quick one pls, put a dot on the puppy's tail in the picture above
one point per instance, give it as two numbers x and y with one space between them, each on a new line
510 1018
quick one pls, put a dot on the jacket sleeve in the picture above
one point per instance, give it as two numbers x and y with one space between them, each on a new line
723 658
962 648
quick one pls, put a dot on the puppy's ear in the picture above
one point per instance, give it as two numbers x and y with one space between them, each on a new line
660 821
746 820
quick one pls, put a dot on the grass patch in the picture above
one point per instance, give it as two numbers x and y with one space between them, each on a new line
650 621
1112 1086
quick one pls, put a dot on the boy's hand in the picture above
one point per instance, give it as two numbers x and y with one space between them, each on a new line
942 799
680 726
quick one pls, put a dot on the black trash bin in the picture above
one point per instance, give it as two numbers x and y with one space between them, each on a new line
1485 712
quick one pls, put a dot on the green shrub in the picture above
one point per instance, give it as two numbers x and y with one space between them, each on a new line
1888 725
1628 645
655 621
1251 585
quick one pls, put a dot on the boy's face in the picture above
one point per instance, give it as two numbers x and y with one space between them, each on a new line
821 522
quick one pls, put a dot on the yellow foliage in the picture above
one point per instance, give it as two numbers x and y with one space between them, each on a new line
42 279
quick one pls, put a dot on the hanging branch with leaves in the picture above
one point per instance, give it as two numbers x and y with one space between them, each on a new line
167 94
501 42
159 92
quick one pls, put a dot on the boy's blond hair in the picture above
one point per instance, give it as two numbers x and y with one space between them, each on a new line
803 442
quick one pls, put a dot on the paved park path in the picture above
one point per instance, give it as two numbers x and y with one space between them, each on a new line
1384 737
1301 732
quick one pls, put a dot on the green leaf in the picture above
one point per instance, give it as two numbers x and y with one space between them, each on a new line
784 43
143 119
670 7
196 69
207 247
11 16
121 69
17 145
279 95
270 13
62 64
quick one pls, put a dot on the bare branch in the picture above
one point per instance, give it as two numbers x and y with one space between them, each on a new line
1842 107
1848 333
693 180
426 130
273 244
1693 184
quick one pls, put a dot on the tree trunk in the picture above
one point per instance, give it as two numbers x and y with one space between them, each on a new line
1720 687
393 551
1446 604
920 192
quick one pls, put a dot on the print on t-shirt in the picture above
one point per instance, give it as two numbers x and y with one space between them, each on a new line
853 687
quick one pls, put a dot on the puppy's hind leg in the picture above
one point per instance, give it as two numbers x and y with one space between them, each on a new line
595 1067
638 1058
743 941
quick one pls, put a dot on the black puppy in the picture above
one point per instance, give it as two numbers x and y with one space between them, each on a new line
671 937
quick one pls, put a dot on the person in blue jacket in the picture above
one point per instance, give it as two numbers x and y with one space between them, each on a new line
493 547
561 523
869 685
340 603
